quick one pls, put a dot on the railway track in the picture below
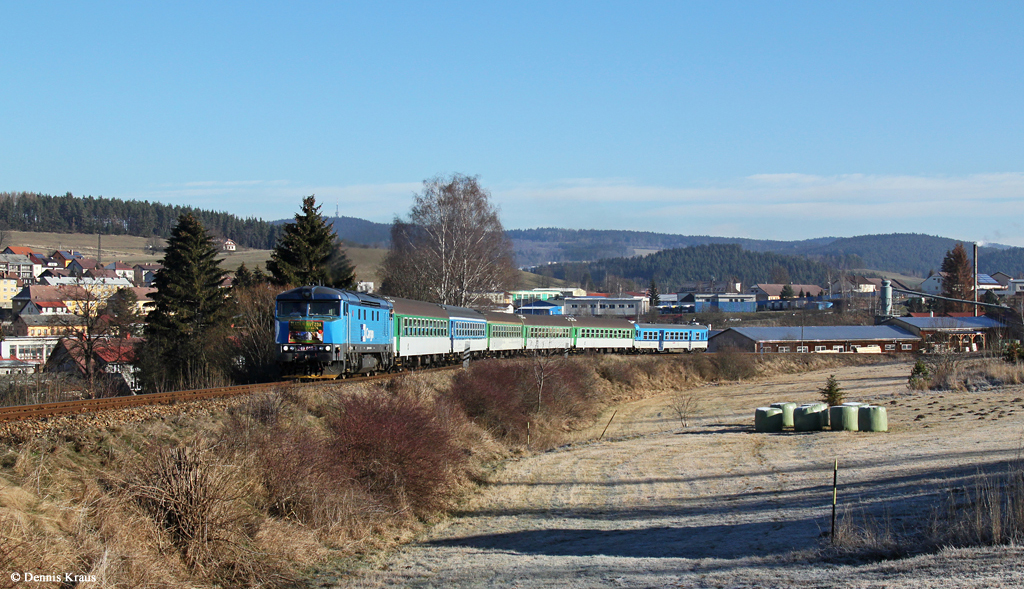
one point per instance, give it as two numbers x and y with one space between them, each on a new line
45 410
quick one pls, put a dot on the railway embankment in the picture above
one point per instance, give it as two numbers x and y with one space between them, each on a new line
270 488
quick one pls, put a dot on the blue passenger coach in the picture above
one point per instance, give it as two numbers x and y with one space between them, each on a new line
659 337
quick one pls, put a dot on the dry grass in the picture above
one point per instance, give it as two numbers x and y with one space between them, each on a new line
295 477
954 372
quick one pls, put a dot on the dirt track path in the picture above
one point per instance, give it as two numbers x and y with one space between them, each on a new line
716 504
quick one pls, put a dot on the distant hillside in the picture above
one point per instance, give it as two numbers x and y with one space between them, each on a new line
352 230
29 211
672 267
915 254
540 246
356 232
904 253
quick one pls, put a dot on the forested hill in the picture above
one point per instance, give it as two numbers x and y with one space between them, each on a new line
670 268
360 231
26 211
914 254
540 246
904 253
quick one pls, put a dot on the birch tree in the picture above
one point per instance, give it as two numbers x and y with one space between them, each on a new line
452 249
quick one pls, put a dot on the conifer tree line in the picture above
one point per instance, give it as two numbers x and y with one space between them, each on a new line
201 334
27 211
671 268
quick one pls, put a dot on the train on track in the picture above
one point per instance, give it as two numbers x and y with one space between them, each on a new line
323 332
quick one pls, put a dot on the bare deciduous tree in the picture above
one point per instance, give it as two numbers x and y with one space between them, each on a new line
684 404
453 247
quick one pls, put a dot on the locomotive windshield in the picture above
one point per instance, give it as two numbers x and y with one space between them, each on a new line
300 309
329 308
297 308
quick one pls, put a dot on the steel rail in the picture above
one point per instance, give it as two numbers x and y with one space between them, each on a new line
61 408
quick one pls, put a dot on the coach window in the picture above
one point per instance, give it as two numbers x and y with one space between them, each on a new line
908 346
890 346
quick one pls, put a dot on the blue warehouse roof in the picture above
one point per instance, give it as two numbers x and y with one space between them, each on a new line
826 333
950 322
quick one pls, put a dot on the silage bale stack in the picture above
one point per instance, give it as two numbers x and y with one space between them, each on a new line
845 417
871 418
768 419
807 418
822 413
787 412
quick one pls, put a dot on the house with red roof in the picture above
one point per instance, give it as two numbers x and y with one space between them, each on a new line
113 358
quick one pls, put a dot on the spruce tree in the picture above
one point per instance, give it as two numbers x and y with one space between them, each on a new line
957 278
184 344
308 252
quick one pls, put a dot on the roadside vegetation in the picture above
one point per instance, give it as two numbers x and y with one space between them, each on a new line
307 477
983 509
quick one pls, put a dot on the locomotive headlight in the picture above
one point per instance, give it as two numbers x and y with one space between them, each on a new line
326 348
286 348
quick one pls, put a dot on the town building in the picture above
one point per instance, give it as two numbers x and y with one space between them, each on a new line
44 325
34 349
10 366
10 286
773 292
552 307
64 257
725 302
79 266
145 273
520 297
121 269
19 266
816 339
113 358
35 293
144 302
606 306
952 333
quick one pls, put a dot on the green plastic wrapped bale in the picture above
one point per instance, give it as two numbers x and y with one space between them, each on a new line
787 413
853 404
807 418
872 419
835 417
768 419
845 417
822 409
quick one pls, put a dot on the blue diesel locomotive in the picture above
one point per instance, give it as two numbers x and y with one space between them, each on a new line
323 332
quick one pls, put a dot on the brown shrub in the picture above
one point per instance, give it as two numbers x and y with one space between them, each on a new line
551 394
397 449
732 364
203 505
619 371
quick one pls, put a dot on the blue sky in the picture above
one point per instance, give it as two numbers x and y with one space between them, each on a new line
763 120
